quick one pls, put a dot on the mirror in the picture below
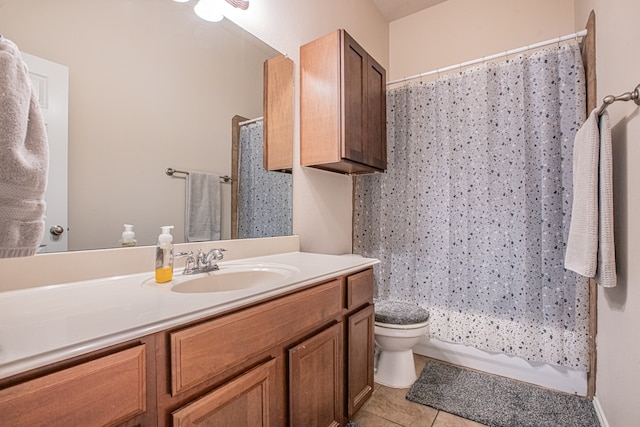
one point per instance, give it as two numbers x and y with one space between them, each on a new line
151 87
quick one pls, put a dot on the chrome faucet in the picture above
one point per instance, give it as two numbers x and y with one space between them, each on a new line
202 263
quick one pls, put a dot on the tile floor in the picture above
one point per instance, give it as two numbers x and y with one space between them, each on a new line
389 408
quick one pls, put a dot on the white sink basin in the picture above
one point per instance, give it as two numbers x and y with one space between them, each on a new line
233 277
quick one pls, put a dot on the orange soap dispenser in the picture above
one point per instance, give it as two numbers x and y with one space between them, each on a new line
164 255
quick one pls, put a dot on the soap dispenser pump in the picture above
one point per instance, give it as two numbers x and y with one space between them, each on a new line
128 236
164 255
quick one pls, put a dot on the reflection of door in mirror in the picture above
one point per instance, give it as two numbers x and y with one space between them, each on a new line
51 83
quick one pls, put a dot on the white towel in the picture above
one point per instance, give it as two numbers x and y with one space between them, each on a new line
202 216
590 247
606 273
24 158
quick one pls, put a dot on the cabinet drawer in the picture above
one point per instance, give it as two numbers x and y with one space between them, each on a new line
360 289
101 392
206 350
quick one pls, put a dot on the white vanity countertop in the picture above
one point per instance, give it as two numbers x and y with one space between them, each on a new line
43 325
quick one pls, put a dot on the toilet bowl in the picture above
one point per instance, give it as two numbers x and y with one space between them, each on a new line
398 328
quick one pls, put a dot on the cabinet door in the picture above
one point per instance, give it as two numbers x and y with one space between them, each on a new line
364 120
376 116
316 380
278 113
106 391
247 401
360 331
354 89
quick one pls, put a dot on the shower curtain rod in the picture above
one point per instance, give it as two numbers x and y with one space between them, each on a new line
248 122
581 33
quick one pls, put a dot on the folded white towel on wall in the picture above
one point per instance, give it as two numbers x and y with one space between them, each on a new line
24 158
606 273
202 216
590 247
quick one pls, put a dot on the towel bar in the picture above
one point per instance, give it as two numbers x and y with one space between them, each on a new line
171 171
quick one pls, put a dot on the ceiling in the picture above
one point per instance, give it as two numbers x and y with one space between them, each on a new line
396 9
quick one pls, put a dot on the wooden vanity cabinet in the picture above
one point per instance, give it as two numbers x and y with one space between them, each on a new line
342 106
298 360
301 359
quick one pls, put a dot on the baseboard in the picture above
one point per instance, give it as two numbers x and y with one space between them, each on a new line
600 412
542 374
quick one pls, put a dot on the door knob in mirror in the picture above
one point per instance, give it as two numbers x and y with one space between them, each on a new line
56 230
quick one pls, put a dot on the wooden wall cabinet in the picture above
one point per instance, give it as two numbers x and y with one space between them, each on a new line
278 114
342 106
305 358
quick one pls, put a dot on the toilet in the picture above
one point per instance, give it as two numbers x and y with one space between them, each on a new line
398 327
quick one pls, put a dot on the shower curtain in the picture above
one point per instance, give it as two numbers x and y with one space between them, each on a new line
264 197
471 219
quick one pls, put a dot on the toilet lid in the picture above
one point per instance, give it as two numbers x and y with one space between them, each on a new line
399 312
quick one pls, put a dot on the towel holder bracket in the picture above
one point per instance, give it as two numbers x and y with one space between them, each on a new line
627 96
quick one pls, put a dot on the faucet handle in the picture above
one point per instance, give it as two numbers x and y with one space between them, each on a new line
216 254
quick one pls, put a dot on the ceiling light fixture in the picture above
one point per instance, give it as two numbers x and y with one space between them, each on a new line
209 10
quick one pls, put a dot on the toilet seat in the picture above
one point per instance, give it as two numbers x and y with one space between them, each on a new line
393 312
394 326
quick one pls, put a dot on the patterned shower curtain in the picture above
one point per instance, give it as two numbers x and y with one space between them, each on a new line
264 197
471 219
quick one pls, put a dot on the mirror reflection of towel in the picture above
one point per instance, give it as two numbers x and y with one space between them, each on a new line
24 158
202 216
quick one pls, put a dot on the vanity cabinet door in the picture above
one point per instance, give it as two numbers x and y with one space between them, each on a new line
316 380
107 391
246 401
359 355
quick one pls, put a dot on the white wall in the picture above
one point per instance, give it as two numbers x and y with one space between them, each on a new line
462 30
321 200
618 345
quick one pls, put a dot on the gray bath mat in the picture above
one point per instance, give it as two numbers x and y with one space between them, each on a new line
497 401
